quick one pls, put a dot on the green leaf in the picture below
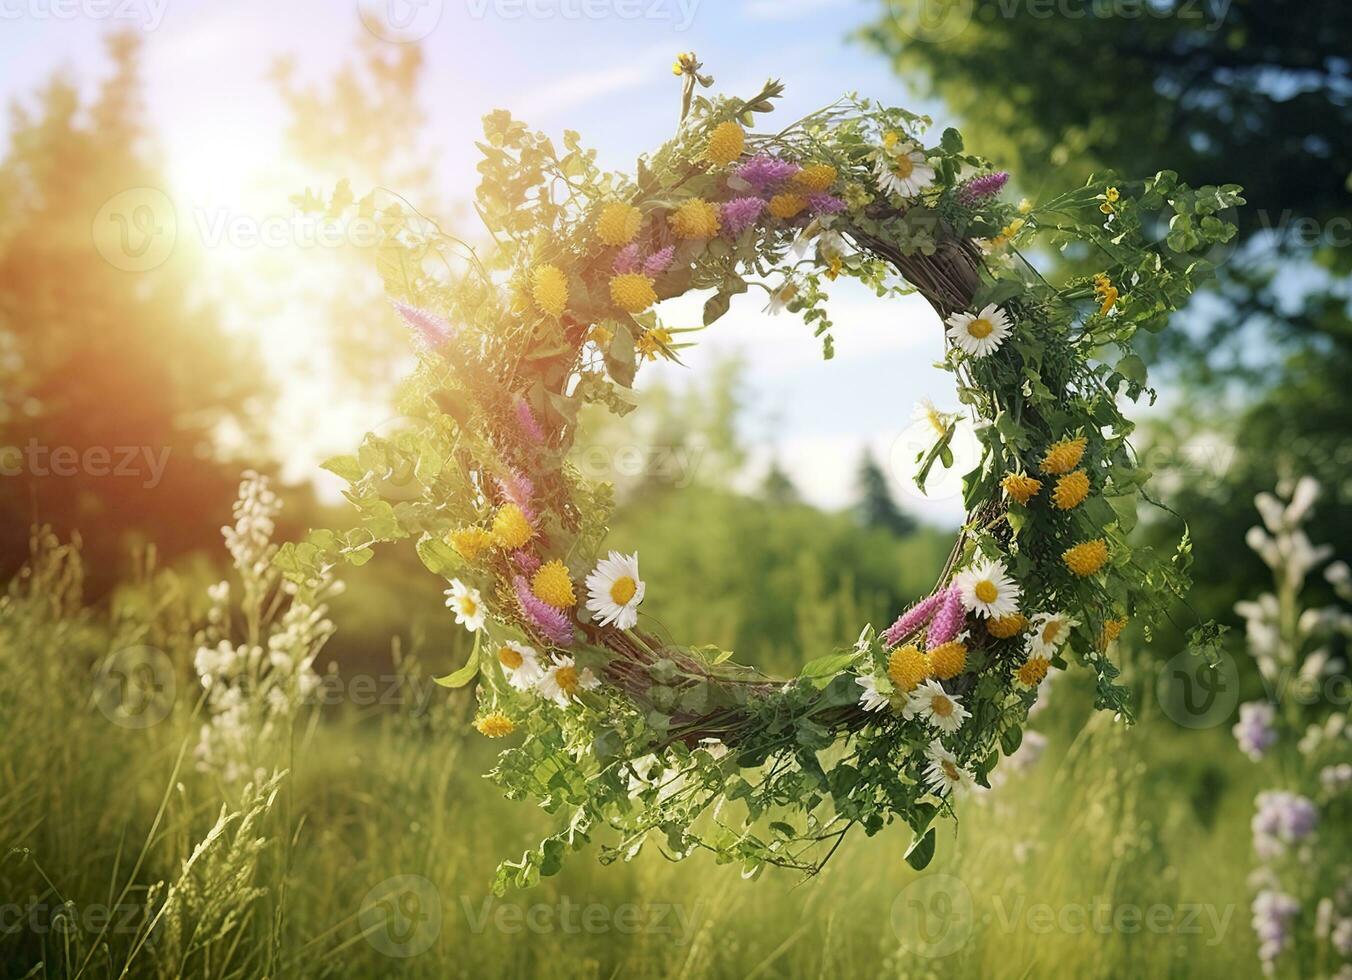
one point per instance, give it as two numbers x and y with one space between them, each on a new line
1132 368
822 669
465 674
1011 739
921 851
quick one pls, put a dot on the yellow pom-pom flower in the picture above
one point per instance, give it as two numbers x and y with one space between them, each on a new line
907 667
1087 558
1071 490
552 585
815 177
652 342
1064 456
469 542
618 223
495 724
632 292
1112 629
948 660
1031 673
725 144
787 205
1003 627
1021 487
511 529
549 289
695 219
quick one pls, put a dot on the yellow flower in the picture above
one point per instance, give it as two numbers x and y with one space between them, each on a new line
495 724
696 218
1112 195
469 542
1071 490
907 667
948 660
833 267
1112 629
1025 205
725 144
1021 487
1008 232
787 205
651 342
549 288
685 63
890 138
600 336
1064 456
511 528
815 177
618 223
632 292
1087 558
1106 292
551 584
1003 627
1033 670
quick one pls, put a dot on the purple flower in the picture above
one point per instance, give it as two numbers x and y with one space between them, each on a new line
659 262
627 259
1254 731
430 330
526 561
763 172
984 186
912 619
825 204
1273 913
530 425
741 213
518 489
1281 818
551 624
947 623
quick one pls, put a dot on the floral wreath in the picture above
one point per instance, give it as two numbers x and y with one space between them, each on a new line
619 729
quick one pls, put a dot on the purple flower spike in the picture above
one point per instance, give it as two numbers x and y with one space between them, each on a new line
764 172
825 204
530 425
741 213
659 262
627 259
911 620
986 185
551 624
947 623
518 489
429 330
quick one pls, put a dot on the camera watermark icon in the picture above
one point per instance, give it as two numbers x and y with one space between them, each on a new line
401 916
908 451
136 229
934 915
135 687
400 21
1194 693
147 14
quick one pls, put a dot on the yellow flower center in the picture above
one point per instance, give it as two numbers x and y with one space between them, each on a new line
980 328
623 590
986 591
950 770
903 167
509 658
1051 631
941 705
468 607
566 678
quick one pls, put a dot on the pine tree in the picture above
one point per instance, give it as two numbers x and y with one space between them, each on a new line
876 508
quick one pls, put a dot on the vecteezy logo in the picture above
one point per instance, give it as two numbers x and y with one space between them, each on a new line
401 916
136 229
933 915
134 687
1195 694
936 21
400 21
942 482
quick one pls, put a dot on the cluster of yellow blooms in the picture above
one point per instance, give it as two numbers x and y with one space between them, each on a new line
495 724
1106 292
1071 490
511 530
908 666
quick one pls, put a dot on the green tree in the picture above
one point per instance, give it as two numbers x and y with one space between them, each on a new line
876 508
777 487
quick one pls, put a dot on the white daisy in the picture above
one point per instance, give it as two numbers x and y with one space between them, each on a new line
987 590
614 590
936 706
520 665
468 605
979 334
871 700
943 773
781 298
904 171
563 681
1050 630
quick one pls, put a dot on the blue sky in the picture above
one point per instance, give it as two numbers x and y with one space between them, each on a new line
589 65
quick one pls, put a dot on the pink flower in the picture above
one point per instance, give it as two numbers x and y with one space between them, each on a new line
530 425
825 204
659 262
526 561
911 620
518 489
948 620
553 625
983 186
763 172
430 330
627 259
741 213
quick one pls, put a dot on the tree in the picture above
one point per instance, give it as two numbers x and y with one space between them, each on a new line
876 508
777 487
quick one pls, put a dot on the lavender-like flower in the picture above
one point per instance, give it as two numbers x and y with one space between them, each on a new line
911 620
987 185
763 171
429 330
552 624
824 203
527 561
1273 913
627 259
530 425
741 213
1281 818
1254 731
948 620
518 489
659 262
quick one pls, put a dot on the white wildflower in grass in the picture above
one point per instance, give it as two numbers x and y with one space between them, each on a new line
943 774
870 699
614 590
979 334
467 605
932 704
520 665
988 591
564 681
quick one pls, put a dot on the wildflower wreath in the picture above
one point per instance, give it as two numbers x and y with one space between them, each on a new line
620 729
